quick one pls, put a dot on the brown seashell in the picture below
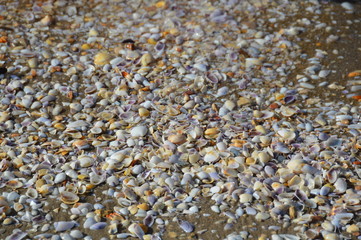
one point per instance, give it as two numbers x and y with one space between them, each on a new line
177 138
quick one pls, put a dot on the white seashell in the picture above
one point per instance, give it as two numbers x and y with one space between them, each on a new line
295 165
245 198
135 229
200 67
287 111
32 193
139 131
63 225
60 177
211 156
252 62
340 185
287 134
85 161
230 105
265 140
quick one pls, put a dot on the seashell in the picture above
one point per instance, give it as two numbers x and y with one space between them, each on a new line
245 198
60 177
325 190
96 179
222 91
211 132
47 20
287 111
31 193
186 226
264 157
149 220
289 99
214 77
68 197
265 140
343 218
252 62
146 59
136 229
89 222
4 206
143 112
332 175
333 142
81 144
139 131
17 235
211 156
85 161
295 165
63 225
102 58
14 184
340 185
286 134
98 226
177 138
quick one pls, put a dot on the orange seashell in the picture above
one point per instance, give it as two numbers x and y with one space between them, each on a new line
357 97
273 106
355 73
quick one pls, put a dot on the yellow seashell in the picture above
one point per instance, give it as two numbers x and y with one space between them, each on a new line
160 4
59 126
143 112
143 206
102 58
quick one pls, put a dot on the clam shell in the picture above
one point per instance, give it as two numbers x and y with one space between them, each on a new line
136 229
211 156
63 226
177 138
68 197
186 226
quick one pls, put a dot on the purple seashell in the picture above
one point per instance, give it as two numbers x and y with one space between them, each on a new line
301 195
280 147
17 235
98 226
159 46
214 77
280 190
186 226
289 99
243 84
220 19
323 136
333 142
148 220
233 56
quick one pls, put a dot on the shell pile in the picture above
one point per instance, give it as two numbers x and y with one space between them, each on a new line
148 107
